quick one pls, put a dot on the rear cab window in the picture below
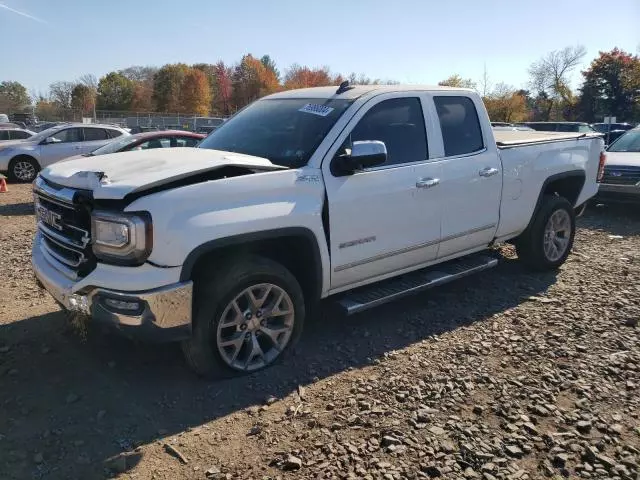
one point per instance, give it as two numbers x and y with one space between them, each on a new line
460 125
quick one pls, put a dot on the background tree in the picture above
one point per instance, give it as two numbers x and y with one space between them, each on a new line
60 94
143 79
506 104
303 77
115 92
13 97
167 85
252 80
83 99
223 90
550 80
458 82
611 87
270 65
195 93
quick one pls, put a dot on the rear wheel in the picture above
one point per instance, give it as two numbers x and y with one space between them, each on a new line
546 244
247 317
23 169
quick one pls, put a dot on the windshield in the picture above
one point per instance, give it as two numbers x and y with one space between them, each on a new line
116 145
629 142
38 137
286 130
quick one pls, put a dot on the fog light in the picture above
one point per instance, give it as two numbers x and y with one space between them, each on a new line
122 305
79 303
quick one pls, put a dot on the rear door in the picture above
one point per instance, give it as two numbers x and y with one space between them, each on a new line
383 219
65 143
94 138
471 176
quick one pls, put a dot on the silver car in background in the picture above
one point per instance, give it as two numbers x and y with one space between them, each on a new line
23 159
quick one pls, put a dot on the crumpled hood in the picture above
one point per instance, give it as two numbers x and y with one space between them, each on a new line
623 159
116 175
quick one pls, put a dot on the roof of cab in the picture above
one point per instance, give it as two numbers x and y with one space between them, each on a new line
358 90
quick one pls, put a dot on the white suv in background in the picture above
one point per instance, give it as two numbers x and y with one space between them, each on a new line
24 159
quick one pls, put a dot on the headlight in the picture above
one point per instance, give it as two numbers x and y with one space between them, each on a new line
121 238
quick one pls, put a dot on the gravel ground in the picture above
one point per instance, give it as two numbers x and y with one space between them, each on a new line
505 375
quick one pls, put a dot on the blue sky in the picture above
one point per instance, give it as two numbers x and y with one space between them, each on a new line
412 41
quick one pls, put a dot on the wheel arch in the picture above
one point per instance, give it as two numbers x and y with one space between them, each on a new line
296 248
566 184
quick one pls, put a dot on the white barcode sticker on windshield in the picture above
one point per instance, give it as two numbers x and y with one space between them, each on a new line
316 109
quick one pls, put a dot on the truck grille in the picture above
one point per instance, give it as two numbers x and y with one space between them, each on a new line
64 221
621 175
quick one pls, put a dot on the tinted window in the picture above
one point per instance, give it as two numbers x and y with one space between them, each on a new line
154 143
4 134
67 135
629 142
114 133
567 127
460 126
399 123
184 142
91 134
19 135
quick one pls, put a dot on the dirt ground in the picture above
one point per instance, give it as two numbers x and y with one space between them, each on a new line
504 375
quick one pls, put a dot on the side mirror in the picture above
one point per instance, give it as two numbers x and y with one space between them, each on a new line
363 154
49 140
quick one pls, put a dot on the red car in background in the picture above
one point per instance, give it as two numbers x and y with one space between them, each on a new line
148 140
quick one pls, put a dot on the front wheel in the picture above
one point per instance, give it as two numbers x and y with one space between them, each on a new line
546 244
246 318
23 169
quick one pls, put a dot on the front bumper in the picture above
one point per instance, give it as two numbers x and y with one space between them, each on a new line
160 314
618 193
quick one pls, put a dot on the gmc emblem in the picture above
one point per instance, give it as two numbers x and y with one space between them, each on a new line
52 219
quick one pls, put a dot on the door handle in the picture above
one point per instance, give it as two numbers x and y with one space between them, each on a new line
488 172
77 147
427 182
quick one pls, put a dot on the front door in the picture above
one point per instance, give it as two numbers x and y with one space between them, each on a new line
63 144
387 218
471 178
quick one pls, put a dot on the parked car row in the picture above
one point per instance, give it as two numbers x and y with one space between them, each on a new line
24 158
621 179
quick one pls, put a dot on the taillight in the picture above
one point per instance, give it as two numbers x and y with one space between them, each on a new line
603 159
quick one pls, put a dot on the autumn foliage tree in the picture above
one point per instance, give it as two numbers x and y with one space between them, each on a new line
304 77
506 104
611 86
458 82
83 98
252 80
167 86
195 93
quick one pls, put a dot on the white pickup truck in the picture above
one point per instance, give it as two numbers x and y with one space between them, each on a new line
353 193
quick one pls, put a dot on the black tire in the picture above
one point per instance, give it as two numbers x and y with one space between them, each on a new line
18 176
530 245
215 292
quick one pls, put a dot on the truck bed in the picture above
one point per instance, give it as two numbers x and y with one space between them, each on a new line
515 138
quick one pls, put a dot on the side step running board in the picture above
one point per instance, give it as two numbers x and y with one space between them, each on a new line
385 291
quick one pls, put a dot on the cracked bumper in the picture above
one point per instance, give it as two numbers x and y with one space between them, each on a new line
159 314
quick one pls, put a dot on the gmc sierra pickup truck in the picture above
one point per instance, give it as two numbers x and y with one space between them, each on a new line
362 194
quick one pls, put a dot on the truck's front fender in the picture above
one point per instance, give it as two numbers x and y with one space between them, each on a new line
191 221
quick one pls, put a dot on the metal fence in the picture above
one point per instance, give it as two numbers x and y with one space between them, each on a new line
182 121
